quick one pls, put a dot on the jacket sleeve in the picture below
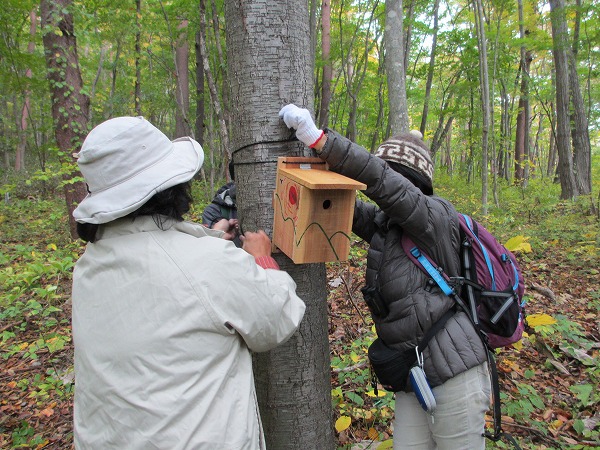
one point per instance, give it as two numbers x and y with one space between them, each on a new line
426 219
363 223
259 304
211 214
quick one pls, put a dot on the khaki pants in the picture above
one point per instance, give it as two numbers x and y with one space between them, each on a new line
459 419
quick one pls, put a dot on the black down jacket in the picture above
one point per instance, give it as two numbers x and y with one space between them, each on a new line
432 223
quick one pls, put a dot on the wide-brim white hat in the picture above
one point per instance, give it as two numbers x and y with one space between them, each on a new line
125 161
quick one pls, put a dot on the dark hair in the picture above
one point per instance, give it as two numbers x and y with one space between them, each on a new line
171 203
413 176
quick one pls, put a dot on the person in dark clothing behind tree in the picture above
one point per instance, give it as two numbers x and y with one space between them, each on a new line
223 205
404 306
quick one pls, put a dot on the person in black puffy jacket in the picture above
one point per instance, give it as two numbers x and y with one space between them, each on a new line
399 182
223 206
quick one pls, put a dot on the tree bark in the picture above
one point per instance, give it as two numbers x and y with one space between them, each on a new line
327 69
582 151
69 105
199 122
394 64
560 44
485 100
268 52
182 90
436 8
212 87
138 56
25 111
522 142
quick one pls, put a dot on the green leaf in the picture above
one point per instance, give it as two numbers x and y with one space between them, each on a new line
583 393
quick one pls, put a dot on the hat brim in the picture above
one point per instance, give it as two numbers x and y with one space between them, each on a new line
180 165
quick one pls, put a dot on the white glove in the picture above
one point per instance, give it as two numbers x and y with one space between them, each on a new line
300 120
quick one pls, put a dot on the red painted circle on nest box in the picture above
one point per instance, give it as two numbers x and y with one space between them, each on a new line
293 195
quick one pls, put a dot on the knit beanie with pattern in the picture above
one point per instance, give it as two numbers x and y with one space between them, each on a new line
409 150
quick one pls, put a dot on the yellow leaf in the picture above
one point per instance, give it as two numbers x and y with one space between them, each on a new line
386 445
372 434
380 393
518 244
51 247
342 423
354 357
536 320
518 345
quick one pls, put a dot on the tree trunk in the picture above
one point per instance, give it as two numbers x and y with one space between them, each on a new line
182 90
69 105
560 45
503 154
113 86
582 151
199 122
268 53
327 69
212 87
485 100
522 143
138 56
394 64
436 8
25 111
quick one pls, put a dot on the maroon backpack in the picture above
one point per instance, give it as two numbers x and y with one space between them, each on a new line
490 287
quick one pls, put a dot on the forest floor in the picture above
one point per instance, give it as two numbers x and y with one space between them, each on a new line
546 403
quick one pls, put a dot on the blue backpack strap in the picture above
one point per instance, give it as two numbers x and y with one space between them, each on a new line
432 271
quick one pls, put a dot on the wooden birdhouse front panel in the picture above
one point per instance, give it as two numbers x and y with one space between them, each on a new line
313 211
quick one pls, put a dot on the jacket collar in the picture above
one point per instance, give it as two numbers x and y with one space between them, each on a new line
142 224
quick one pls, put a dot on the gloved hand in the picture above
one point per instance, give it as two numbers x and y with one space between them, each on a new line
300 120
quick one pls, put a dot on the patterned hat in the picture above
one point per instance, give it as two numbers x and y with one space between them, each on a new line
408 149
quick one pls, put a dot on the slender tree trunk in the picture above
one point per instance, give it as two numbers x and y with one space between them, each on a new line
560 43
485 100
113 87
212 88
436 8
138 56
327 69
271 41
25 111
69 105
199 122
394 64
552 151
522 141
504 133
182 86
582 151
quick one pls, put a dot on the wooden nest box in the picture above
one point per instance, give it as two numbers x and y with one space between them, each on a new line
313 210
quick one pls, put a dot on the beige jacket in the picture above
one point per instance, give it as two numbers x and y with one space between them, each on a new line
163 325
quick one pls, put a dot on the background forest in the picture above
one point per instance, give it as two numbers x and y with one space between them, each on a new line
505 92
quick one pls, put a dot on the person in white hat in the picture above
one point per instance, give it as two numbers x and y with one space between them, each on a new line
403 304
166 312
